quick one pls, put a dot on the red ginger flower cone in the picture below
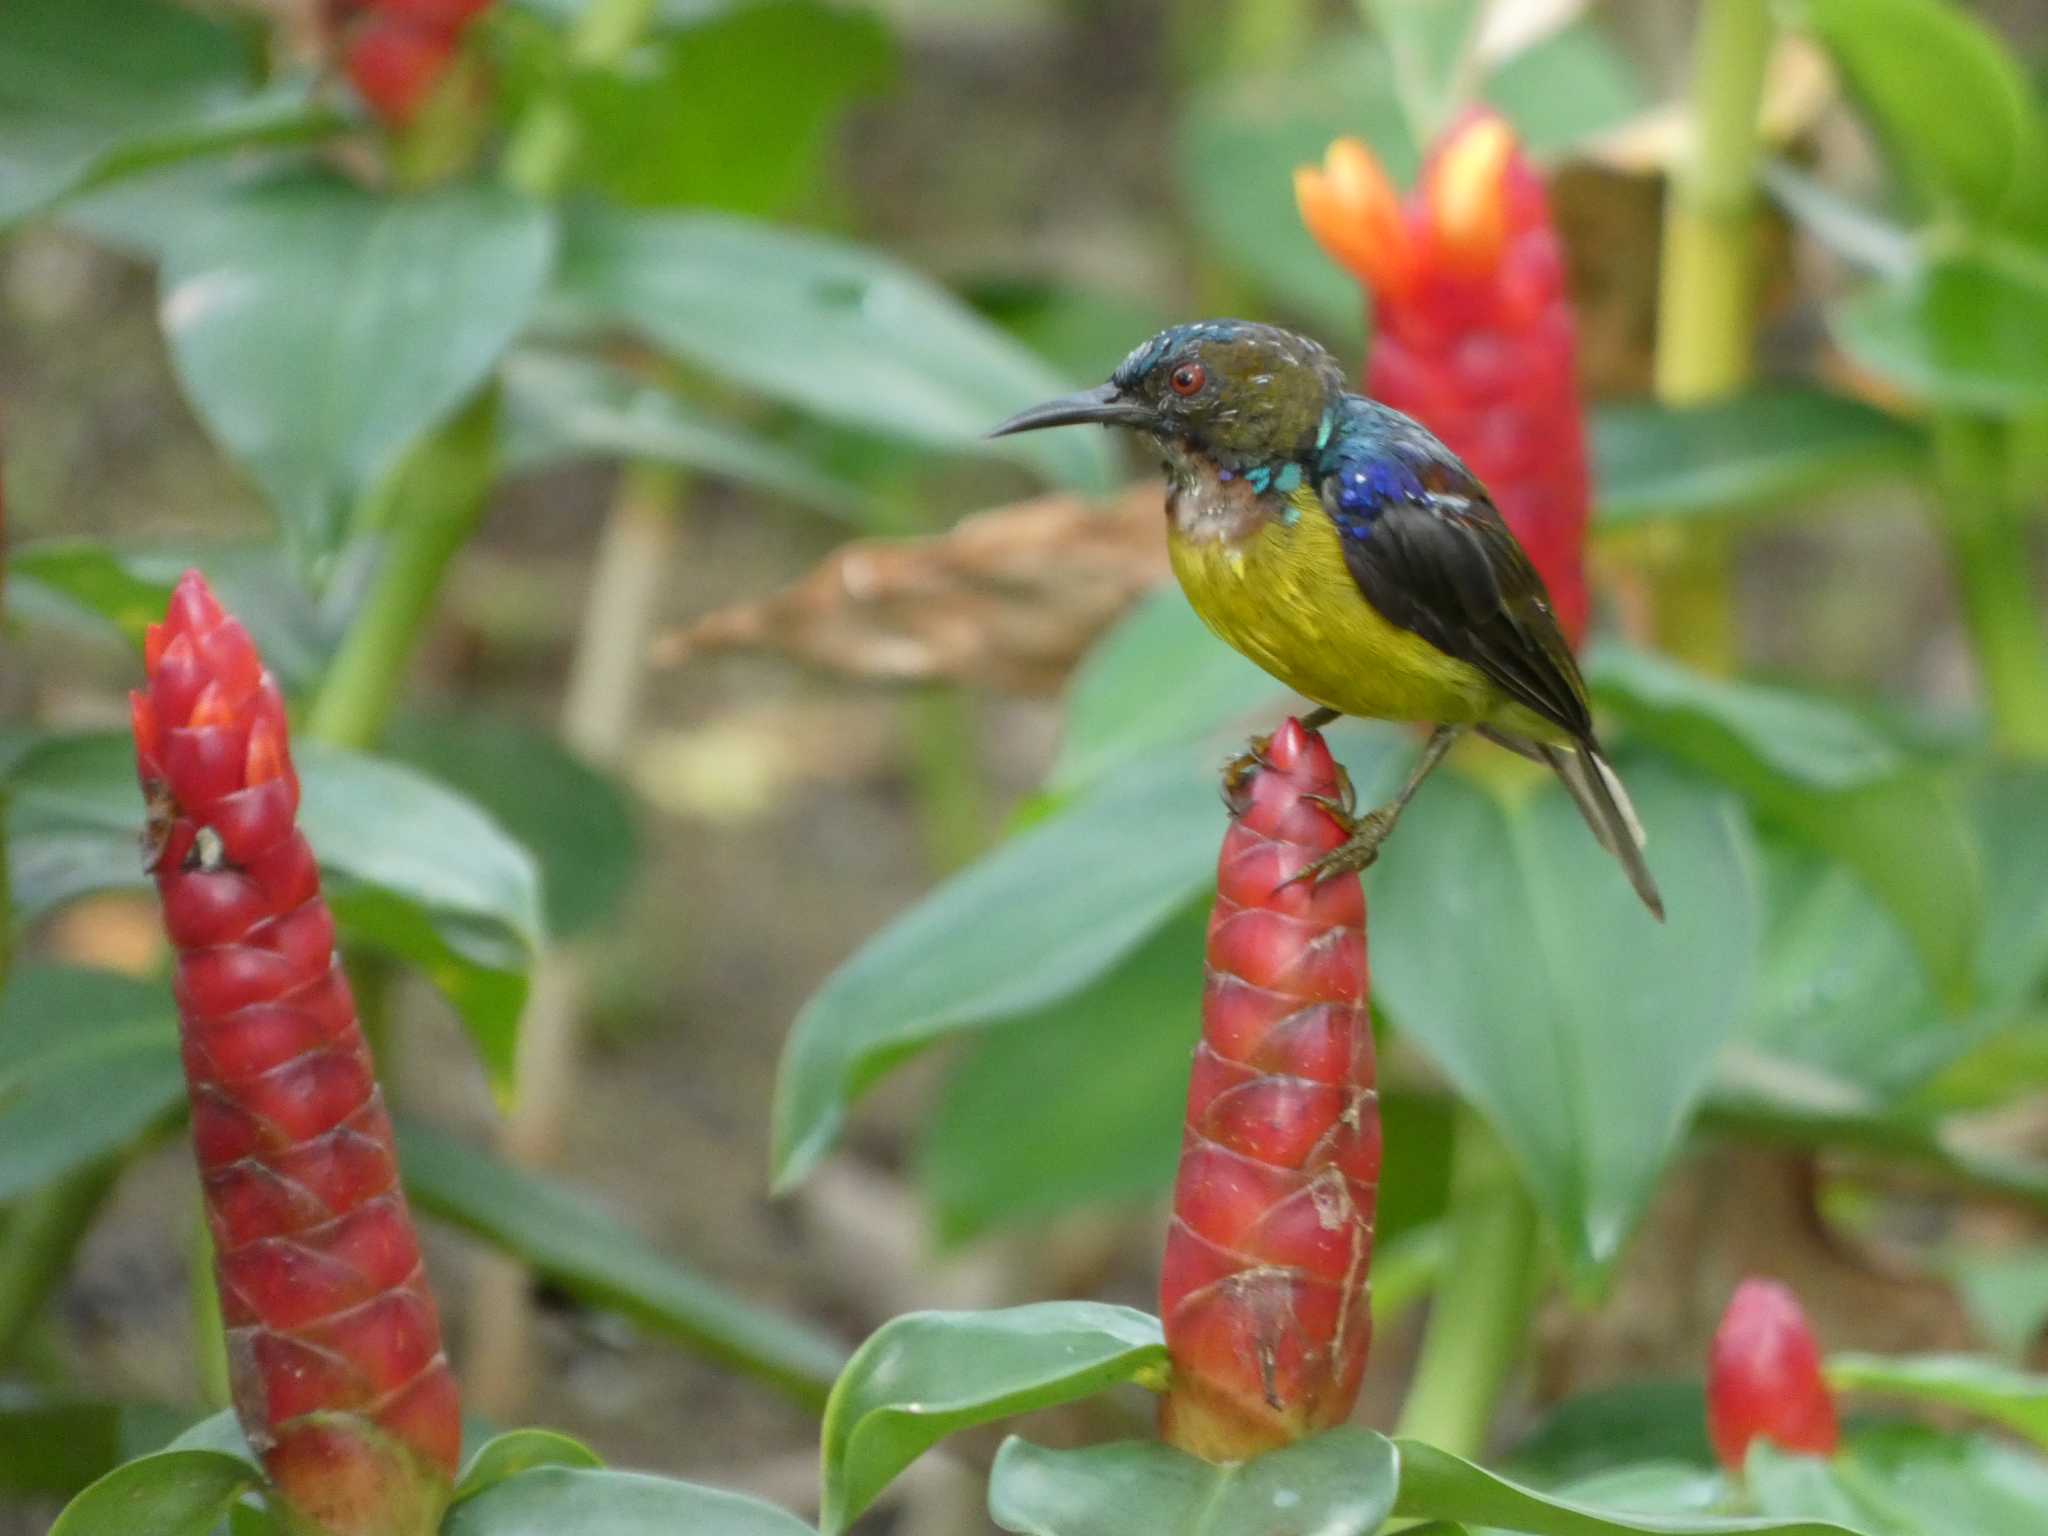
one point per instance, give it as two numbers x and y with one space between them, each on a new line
1764 1379
334 1344
1264 1286
395 52
1473 332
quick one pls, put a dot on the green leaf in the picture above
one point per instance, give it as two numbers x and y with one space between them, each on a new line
924 1375
54 1446
571 1501
575 820
1507 943
1108 1069
832 328
560 407
2009 810
1042 916
173 1493
88 1063
1818 772
1955 108
1437 1485
1596 1432
1158 678
1929 1484
321 330
562 1235
1959 331
743 149
517 1451
1772 447
2006 1293
139 84
411 866
1337 1484
1988 1388
91 577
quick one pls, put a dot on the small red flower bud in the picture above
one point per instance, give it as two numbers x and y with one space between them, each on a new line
1764 1378
395 66
1263 1291
334 1345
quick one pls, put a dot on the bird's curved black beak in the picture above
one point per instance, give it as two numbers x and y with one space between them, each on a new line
1104 404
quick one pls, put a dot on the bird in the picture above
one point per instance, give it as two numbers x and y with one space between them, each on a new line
1343 548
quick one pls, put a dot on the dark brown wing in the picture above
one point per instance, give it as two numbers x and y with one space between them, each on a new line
1431 554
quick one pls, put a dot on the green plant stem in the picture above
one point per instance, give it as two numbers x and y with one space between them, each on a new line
42 1232
544 144
1481 1310
1983 521
1706 309
430 508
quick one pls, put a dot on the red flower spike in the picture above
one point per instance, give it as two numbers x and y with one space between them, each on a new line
1473 330
395 52
1764 1380
334 1344
1264 1285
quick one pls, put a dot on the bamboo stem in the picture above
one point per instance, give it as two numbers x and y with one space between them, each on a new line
1481 1310
1984 524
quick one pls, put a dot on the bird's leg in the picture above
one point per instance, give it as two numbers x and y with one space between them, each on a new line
1237 771
1367 832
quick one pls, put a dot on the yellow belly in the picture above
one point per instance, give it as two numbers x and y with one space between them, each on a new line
1285 599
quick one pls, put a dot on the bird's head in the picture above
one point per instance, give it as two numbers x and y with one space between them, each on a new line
1229 392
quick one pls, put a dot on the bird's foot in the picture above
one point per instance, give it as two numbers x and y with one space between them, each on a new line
1361 845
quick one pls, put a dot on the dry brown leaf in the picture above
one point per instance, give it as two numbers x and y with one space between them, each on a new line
1008 599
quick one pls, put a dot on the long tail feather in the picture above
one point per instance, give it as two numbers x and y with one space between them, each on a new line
1598 793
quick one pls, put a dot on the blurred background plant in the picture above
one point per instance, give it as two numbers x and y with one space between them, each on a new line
468 350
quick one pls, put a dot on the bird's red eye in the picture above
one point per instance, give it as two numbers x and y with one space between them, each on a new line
1188 379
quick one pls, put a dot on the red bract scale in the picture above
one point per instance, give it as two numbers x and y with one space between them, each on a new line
1473 331
334 1343
1764 1380
395 52
1264 1284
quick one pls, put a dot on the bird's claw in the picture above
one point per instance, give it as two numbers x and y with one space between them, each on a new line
1356 853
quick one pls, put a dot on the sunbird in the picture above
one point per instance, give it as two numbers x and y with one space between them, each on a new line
1344 549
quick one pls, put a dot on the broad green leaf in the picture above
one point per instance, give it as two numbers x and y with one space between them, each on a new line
1820 773
2009 808
1656 1488
321 330
1784 1484
54 1446
1430 44
1337 1484
1772 447
92 577
1988 1388
1437 1485
88 1063
1158 678
1901 1480
220 1432
1108 1070
1509 945
564 1236
1839 991
575 820
833 328
573 1501
740 148
1597 1432
559 407
517 1451
411 866
2006 1293
1960 332
173 1493
1042 916
924 1375
1955 108
138 83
